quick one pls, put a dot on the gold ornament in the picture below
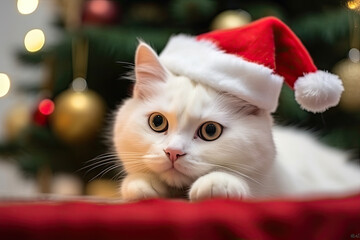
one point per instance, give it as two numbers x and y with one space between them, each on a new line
78 116
103 188
17 119
349 73
230 19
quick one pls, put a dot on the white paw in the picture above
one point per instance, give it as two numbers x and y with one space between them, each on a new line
142 186
218 185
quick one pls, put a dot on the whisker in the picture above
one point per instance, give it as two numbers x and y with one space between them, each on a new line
95 163
102 156
108 170
244 167
129 64
99 165
102 173
117 176
231 170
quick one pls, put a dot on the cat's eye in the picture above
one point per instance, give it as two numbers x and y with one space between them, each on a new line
158 122
210 131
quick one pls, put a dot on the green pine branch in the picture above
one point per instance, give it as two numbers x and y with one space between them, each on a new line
327 26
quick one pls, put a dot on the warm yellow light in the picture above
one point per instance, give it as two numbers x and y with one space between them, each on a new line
27 6
353 4
4 84
79 101
34 40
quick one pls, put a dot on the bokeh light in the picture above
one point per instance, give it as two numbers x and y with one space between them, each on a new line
79 102
79 84
27 6
100 7
354 55
353 4
34 40
4 84
46 107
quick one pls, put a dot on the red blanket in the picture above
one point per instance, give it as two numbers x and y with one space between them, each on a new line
170 219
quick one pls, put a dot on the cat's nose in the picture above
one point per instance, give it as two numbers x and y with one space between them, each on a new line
173 154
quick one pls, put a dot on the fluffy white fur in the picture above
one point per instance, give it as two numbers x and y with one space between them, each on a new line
318 91
252 82
251 159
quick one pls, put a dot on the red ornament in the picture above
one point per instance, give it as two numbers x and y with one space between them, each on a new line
100 12
40 119
45 108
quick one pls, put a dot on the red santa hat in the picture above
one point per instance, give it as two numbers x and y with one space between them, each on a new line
251 62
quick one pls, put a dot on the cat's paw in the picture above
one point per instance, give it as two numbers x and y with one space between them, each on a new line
142 186
218 185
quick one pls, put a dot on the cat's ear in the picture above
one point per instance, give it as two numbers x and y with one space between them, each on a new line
148 71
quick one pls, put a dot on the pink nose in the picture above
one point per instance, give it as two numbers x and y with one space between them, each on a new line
173 154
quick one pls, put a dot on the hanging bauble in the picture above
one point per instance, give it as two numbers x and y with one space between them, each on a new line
349 72
230 19
100 12
16 120
40 119
78 116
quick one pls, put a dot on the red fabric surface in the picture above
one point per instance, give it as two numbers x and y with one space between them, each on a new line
169 219
268 42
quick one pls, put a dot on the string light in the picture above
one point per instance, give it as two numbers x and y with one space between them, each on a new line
27 6
4 84
34 40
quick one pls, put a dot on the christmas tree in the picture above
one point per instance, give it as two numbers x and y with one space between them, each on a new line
72 122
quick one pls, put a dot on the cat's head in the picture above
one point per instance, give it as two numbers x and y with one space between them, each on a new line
180 130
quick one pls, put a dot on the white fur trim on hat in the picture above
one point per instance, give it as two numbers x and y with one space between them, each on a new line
318 91
203 61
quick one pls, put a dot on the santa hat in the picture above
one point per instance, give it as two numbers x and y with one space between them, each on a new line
251 62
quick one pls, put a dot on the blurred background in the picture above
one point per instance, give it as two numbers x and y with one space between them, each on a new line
61 68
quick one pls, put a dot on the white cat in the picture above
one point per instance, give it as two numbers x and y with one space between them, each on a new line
176 135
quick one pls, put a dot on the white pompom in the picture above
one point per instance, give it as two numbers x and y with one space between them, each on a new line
318 91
